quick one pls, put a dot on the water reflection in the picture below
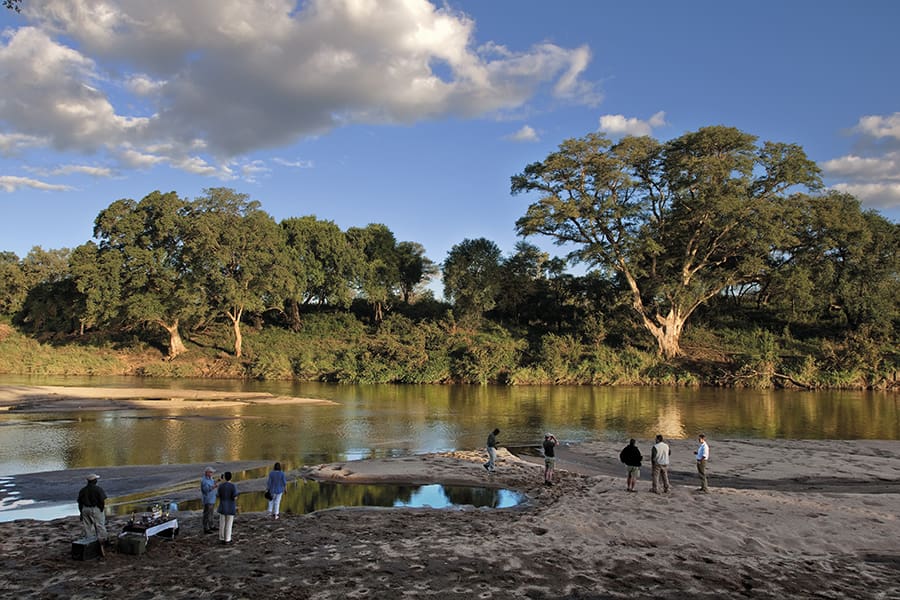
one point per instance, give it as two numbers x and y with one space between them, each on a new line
389 421
304 496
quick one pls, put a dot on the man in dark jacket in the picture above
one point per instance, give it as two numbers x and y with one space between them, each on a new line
631 456
227 508
91 504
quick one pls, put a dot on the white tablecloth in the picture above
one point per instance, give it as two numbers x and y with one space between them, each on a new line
173 524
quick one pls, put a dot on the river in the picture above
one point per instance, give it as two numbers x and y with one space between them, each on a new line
390 420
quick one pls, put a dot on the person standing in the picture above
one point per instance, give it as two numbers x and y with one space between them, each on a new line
702 458
631 456
208 491
550 443
91 506
491 450
227 508
659 460
275 486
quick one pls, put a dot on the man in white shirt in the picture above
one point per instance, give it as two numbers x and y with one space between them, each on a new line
702 458
659 458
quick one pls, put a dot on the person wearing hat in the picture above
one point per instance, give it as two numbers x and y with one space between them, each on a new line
91 503
550 443
208 490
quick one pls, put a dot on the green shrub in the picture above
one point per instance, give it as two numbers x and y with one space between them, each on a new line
485 357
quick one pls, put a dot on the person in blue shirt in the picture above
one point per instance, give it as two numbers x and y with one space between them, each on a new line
702 457
275 485
208 491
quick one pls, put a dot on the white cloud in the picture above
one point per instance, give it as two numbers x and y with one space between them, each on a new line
73 169
11 183
199 166
881 195
253 170
137 159
872 173
50 91
297 164
525 134
11 143
238 80
878 126
141 85
620 125
858 167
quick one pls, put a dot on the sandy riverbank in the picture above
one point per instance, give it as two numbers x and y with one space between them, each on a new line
785 519
47 398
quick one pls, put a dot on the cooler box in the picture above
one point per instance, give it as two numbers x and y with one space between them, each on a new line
85 548
131 543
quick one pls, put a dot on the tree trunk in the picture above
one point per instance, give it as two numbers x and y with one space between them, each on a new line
379 312
236 324
295 315
667 332
176 345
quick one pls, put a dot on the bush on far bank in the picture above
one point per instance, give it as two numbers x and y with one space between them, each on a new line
338 347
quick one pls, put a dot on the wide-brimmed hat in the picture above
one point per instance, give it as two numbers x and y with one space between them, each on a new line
209 470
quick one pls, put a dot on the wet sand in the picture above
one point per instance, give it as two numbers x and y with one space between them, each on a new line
784 519
48 398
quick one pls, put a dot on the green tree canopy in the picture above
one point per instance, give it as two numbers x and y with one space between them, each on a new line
678 222
472 275
415 269
13 284
98 280
322 264
379 276
235 252
142 242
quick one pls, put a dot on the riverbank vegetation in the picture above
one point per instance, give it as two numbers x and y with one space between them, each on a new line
710 260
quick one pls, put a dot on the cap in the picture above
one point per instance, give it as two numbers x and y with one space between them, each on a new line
93 477
548 435
209 470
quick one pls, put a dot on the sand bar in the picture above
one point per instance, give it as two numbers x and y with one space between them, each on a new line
785 535
47 398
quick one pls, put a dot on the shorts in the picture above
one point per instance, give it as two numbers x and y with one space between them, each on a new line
636 471
550 461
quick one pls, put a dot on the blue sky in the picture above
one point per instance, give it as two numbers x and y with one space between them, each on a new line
415 114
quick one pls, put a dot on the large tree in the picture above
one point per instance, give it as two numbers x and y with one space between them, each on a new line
98 280
236 252
50 304
472 275
143 243
524 284
13 284
379 276
322 264
845 263
415 269
678 222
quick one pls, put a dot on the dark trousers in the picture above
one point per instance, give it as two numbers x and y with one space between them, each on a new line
209 523
701 470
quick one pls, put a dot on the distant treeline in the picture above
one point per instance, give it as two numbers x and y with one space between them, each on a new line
711 259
